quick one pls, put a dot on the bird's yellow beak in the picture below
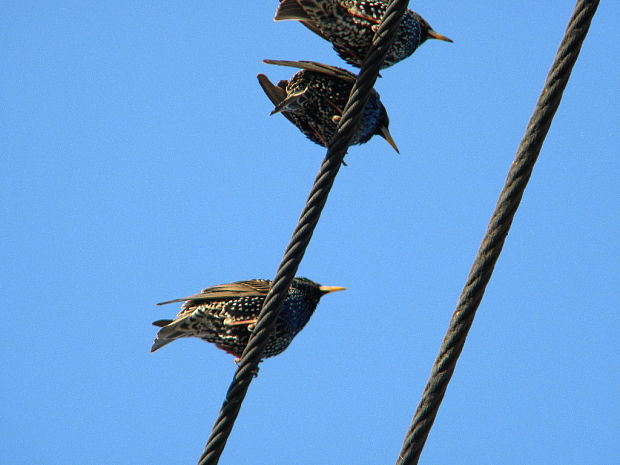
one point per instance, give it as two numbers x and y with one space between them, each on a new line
385 133
328 289
438 36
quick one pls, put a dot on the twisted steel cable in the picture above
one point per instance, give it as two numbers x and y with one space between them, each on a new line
351 118
497 231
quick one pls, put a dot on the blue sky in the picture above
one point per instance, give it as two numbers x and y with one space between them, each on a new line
141 165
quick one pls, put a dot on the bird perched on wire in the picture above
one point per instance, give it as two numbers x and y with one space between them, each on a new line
314 99
350 26
226 315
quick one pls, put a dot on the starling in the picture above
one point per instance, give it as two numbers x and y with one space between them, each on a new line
226 315
314 99
350 26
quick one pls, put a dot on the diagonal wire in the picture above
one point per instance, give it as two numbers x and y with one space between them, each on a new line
497 231
303 232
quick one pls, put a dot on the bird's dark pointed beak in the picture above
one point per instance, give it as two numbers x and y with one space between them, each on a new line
436 35
385 133
328 289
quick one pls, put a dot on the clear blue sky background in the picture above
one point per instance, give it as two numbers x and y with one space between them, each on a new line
140 164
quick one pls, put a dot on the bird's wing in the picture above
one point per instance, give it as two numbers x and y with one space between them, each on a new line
317 67
252 288
276 94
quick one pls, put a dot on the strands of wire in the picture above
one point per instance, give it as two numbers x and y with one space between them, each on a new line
351 118
498 228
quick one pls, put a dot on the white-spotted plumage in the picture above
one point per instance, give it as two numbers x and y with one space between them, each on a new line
226 314
350 26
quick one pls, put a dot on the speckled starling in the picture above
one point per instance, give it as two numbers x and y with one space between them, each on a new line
314 99
350 26
226 315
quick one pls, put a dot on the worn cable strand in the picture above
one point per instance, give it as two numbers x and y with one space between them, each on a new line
351 118
497 231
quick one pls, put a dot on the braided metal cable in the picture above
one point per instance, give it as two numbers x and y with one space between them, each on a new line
351 118
497 231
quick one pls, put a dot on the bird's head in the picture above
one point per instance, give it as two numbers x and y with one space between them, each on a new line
304 284
429 33
383 129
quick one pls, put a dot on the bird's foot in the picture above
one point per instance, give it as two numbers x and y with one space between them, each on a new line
254 371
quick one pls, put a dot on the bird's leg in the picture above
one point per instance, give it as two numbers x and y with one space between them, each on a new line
336 118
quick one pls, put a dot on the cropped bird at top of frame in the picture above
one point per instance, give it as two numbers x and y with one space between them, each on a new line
315 97
226 315
350 26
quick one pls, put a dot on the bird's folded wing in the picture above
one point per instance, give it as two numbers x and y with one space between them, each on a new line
316 67
228 291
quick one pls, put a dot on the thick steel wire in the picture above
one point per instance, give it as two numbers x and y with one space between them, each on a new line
351 118
497 231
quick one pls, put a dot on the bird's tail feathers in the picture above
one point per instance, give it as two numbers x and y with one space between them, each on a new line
275 93
291 10
159 343
168 333
307 10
